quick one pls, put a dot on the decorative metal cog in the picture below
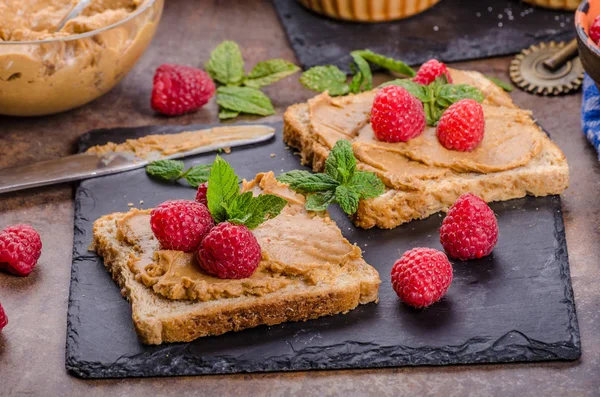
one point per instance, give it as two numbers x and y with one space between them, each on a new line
529 73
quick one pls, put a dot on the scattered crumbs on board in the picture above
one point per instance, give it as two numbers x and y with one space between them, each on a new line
141 202
130 204
227 150
273 155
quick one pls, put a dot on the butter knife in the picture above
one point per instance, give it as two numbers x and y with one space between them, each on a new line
92 165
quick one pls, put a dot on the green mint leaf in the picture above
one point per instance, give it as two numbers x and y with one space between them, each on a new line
390 64
347 198
306 182
417 90
325 78
451 93
228 114
197 175
244 100
319 201
340 163
237 208
226 64
365 71
165 169
505 85
356 83
268 72
263 208
222 188
366 184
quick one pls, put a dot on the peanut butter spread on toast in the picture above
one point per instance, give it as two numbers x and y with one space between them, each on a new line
297 246
511 138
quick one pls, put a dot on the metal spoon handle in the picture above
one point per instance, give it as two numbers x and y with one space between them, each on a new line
75 11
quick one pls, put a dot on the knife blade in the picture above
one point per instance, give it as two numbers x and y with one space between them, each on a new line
91 165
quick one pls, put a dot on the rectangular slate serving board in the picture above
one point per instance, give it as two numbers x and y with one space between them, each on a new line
451 31
515 305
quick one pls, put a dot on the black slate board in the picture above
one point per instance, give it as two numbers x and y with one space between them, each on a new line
466 29
515 305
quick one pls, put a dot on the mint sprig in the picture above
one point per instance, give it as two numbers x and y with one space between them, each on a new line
226 203
244 100
269 72
438 96
226 64
331 78
341 182
325 78
239 92
173 170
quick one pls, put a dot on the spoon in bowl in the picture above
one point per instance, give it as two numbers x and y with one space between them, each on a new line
75 11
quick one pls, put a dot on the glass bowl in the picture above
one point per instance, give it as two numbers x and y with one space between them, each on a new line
54 75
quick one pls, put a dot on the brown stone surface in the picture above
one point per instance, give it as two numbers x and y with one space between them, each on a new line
32 346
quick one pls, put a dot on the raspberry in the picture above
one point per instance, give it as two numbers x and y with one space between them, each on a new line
462 125
421 276
180 89
20 249
431 70
595 30
3 318
201 194
470 230
397 116
229 251
180 224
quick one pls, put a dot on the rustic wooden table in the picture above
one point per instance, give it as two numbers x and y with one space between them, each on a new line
32 347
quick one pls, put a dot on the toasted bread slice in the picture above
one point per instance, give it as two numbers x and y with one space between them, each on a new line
159 319
546 173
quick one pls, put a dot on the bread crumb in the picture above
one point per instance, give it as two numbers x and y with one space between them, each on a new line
141 202
130 204
273 155
227 150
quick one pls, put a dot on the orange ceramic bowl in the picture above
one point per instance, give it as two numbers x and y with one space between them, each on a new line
588 50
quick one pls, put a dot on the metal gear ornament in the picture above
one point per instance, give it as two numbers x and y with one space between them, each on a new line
548 69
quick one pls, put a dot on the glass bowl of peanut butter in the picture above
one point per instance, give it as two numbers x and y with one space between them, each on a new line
44 71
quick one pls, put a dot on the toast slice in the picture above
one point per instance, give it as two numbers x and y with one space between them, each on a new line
305 287
546 172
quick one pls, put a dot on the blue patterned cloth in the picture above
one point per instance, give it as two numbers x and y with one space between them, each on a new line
590 113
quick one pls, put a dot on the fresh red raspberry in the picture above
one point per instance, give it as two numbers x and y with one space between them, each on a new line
20 249
180 224
462 125
180 89
397 116
430 71
229 251
421 276
470 230
201 194
3 318
595 30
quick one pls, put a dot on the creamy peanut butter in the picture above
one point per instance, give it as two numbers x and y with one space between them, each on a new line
155 146
297 247
26 20
59 71
511 138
